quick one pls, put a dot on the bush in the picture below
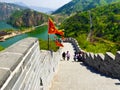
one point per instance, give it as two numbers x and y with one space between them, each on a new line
98 46
1 48
44 45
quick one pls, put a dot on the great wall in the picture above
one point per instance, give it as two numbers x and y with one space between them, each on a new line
107 64
25 67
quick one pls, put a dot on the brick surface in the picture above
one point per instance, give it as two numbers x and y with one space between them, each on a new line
75 76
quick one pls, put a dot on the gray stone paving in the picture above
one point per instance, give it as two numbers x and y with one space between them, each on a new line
74 76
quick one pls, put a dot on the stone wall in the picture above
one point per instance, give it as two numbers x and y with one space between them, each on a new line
25 67
108 64
74 43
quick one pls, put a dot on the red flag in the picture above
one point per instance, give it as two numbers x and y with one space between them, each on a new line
60 32
58 43
59 36
52 28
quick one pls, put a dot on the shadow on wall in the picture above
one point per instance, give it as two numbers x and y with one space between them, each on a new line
93 70
117 83
108 64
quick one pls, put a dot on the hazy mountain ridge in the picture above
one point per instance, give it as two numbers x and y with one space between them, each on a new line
36 8
21 16
81 5
21 4
6 9
42 9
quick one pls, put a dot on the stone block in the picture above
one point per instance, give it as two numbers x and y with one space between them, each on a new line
95 61
91 57
29 40
13 80
101 56
109 56
87 59
99 60
18 49
4 74
9 60
28 57
109 64
116 70
12 56
22 46
110 59
117 57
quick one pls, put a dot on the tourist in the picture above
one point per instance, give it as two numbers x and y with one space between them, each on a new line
79 57
75 56
63 55
68 55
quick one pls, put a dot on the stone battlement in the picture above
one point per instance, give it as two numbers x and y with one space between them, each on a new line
108 64
24 66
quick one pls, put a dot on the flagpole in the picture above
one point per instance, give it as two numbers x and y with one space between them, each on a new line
48 35
48 42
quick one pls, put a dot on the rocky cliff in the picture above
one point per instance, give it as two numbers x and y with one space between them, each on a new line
27 18
6 9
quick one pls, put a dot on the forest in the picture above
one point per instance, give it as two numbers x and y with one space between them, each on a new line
105 30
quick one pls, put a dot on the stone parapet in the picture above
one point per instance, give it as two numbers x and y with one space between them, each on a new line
24 66
108 64
74 43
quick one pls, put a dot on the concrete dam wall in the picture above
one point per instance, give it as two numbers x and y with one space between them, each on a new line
23 66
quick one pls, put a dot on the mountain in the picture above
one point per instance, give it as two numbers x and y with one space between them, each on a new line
81 5
39 9
105 29
21 4
21 16
105 23
6 9
42 9
27 18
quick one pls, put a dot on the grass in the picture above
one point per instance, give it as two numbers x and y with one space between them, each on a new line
44 45
1 48
98 46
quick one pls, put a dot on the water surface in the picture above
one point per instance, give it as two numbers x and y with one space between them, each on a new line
42 34
4 26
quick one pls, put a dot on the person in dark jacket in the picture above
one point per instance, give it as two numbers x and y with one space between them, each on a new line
63 55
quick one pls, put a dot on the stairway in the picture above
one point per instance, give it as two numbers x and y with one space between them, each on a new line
73 75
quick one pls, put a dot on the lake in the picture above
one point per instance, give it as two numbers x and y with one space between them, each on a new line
4 25
42 33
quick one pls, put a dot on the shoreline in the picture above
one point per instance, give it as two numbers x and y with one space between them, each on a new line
15 33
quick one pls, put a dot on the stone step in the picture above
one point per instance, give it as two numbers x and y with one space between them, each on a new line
76 76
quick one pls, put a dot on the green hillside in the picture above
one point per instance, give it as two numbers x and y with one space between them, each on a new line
81 5
105 29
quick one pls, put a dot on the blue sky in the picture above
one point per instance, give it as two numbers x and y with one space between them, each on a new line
53 4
